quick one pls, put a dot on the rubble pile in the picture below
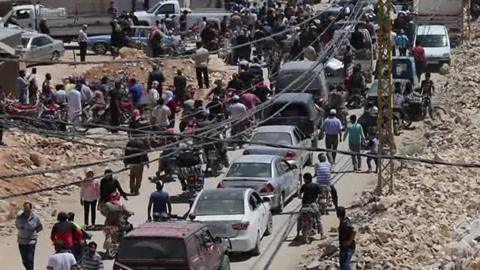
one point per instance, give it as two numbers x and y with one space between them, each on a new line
139 70
34 152
432 221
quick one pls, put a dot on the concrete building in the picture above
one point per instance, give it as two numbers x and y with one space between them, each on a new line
9 40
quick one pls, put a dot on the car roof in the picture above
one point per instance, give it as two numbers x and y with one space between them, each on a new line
431 30
174 229
294 97
301 66
256 159
223 193
275 129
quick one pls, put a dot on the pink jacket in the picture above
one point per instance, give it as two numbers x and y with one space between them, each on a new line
90 191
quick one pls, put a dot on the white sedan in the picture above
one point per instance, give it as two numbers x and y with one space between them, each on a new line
238 214
41 47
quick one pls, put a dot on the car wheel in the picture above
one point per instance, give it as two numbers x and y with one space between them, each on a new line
256 250
281 203
225 263
100 48
269 228
55 56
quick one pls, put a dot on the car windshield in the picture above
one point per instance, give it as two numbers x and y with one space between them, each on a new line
273 137
213 207
250 169
152 9
25 42
292 110
432 41
152 249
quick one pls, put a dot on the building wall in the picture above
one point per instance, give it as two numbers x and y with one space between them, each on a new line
9 71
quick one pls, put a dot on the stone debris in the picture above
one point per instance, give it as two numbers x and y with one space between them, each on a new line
432 221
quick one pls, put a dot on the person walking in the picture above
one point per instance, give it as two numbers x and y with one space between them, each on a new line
180 84
89 195
92 260
332 127
420 58
402 43
74 104
115 106
28 225
135 158
372 150
33 86
22 85
355 139
109 185
82 42
346 238
159 202
201 65
161 115
62 259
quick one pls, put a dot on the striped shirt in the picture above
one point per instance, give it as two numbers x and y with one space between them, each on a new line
92 261
323 173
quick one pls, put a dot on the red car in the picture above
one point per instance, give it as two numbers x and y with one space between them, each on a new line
175 245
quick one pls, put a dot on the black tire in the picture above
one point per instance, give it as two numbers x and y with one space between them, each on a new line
55 56
396 127
281 205
100 48
78 124
225 263
269 228
256 250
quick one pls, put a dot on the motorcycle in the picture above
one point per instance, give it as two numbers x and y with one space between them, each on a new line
191 179
306 223
114 235
86 119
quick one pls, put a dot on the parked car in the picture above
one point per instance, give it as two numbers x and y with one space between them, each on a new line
172 245
41 47
237 214
271 176
101 44
436 42
297 109
284 135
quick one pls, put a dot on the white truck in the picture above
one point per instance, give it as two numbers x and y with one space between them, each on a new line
62 25
444 12
172 7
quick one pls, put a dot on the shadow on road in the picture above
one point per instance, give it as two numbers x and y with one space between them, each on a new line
239 257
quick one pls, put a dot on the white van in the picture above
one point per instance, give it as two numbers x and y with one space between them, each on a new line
435 40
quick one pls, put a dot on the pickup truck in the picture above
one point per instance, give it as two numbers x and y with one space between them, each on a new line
296 109
62 25
172 7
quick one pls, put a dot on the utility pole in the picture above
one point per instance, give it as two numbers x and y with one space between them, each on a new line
385 97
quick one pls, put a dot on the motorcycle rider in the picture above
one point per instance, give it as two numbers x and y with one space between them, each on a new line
115 212
309 193
358 83
159 201
398 100
324 176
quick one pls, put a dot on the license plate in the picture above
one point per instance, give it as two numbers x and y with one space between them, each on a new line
219 229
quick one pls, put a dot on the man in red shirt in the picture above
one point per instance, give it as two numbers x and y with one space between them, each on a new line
66 231
420 58
250 100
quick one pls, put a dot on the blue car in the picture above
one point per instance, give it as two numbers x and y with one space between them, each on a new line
101 44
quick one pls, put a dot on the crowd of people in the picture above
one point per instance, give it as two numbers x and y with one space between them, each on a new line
156 104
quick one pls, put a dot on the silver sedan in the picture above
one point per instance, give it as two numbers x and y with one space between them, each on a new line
41 47
271 176
282 135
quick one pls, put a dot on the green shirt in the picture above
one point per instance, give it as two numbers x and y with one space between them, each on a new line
355 133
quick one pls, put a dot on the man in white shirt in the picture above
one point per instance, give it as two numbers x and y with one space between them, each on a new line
237 111
61 260
201 65
74 104
160 115
82 42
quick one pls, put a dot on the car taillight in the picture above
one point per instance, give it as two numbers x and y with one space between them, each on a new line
267 188
290 155
192 179
246 152
220 185
241 226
